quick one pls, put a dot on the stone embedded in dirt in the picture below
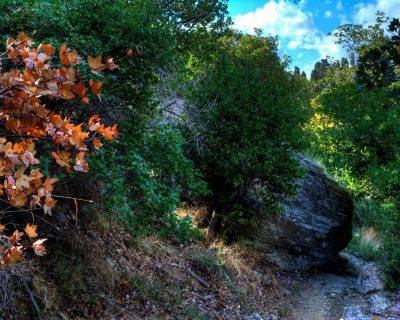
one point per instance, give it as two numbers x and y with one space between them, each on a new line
370 279
355 313
314 226
254 316
378 303
395 309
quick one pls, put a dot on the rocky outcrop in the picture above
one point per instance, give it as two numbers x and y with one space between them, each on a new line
314 226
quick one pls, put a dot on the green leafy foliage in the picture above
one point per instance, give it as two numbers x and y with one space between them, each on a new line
144 173
358 136
334 78
357 38
145 197
327 66
253 111
378 65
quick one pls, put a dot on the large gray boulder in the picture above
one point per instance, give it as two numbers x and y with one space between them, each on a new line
314 226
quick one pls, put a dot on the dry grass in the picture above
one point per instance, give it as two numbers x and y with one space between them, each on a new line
103 273
199 214
369 236
366 243
45 290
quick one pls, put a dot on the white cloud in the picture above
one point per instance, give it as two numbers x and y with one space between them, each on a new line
343 19
326 46
328 14
339 6
308 68
294 44
290 23
300 54
366 13
278 18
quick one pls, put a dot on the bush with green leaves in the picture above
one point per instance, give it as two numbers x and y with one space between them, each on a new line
358 137
251 113
333 78
144 171
357 131
146 184
378 66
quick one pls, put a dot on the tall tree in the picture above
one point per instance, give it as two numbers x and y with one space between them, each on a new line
355 38
320 69
254 111
378 65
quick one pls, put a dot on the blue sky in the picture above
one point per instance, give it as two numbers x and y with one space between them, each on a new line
303 28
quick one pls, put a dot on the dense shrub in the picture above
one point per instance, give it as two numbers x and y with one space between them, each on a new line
333 78
155 173
144 171
357 131
378 65
251 116
358 136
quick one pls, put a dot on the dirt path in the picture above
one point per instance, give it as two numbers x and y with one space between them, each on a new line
324 297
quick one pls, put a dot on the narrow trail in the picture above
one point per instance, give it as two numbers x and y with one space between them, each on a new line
324 297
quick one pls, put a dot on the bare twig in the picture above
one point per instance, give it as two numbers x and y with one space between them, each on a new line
31 299
198 278
72 198
193 275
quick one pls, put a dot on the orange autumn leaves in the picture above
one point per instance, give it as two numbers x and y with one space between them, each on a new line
21 185
96 64
30 91
14 245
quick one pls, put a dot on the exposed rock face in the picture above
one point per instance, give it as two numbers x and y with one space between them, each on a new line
314 227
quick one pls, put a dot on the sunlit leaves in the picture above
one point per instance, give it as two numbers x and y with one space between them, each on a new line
95 87
39 248
42 73
30 230
96 64
14 245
